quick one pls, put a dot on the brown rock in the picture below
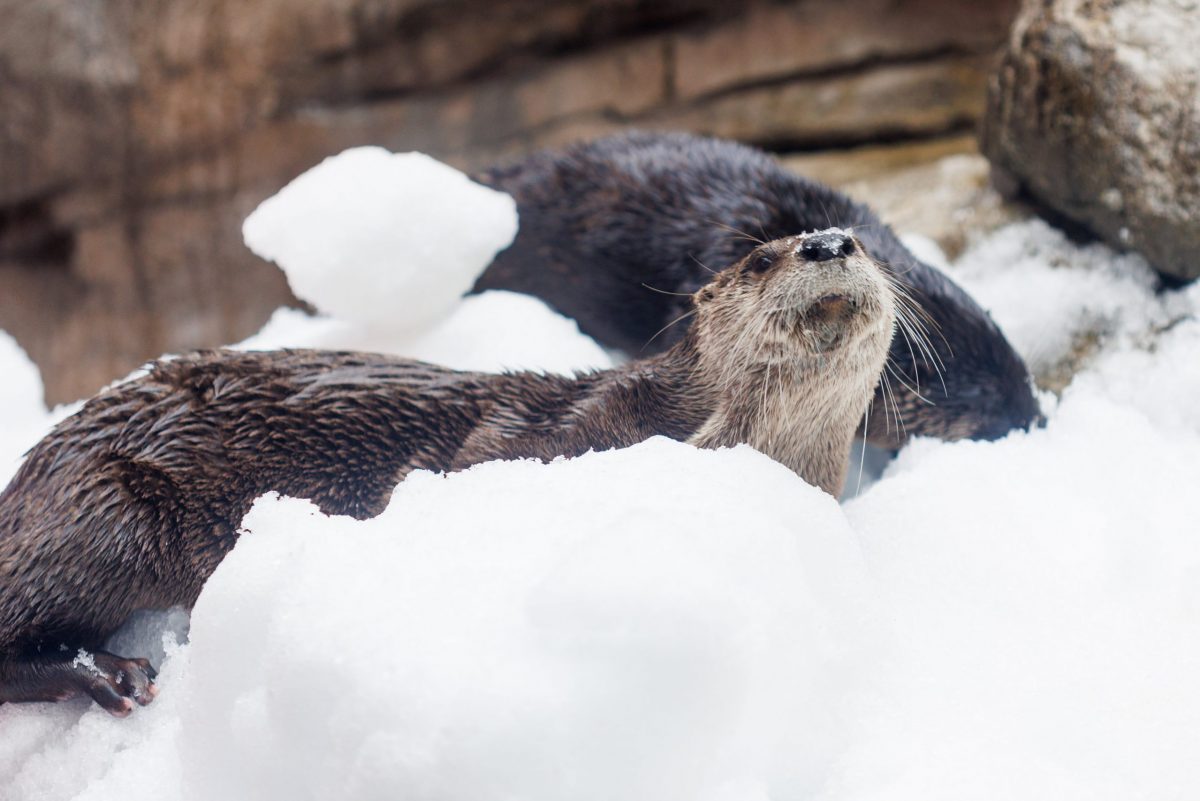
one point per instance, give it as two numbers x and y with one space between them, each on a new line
957 202
771 41
921 99
1095 114
136 134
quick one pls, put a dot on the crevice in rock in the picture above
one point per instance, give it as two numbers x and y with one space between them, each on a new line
29 233
848 139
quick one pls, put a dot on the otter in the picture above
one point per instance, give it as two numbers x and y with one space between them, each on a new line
133 501
616 232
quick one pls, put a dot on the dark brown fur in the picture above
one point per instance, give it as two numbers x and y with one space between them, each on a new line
133 501
613 231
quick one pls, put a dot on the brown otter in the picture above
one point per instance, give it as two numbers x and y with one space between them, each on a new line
606 223
133 501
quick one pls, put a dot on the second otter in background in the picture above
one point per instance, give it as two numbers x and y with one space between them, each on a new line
605 224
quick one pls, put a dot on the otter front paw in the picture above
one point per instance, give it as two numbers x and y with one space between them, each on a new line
113 682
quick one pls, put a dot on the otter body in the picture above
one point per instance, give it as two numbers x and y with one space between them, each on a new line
133 501
605 224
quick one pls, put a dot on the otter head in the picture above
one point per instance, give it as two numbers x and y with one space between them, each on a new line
799 303
794 338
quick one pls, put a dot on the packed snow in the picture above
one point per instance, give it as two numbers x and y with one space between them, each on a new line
389 239
1009 620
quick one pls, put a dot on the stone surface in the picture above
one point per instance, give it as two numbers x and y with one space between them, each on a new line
929 97
135 135
1095 114
771 41
938 188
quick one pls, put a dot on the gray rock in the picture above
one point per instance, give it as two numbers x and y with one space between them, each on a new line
1095 113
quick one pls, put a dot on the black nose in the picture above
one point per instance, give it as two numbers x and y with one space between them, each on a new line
826 245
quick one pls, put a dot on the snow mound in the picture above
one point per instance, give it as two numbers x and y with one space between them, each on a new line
653 623
669 648
1048 293
386 240
1043 591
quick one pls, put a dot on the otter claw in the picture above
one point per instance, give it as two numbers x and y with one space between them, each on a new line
113 682
116 683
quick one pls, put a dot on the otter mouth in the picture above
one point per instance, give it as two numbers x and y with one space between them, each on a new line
832 306
825 322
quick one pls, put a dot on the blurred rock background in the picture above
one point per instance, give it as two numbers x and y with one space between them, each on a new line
135 135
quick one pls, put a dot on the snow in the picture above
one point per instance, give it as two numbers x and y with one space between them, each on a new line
1014 619
25 418
384 245
391 240
489 332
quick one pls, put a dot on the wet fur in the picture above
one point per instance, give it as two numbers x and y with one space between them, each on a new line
133 501
614 231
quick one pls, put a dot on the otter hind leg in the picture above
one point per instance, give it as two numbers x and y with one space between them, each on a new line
113 682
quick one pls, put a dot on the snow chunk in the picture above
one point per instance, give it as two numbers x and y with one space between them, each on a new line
489 332
388 241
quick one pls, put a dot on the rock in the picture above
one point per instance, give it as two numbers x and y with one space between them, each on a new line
135 135
1094 113
770 41
930 97
957 202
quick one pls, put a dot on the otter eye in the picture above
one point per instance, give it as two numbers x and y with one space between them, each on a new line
760 264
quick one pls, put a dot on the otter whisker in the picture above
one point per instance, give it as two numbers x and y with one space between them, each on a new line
912 305
862 453
914 331
668 325
887 385
666 292
702 265
731 229
825 210
891 370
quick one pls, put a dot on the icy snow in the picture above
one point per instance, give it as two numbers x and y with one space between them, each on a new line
1009 620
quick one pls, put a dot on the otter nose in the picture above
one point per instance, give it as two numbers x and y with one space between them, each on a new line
826 245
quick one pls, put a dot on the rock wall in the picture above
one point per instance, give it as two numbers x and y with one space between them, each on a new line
1094 114
135 135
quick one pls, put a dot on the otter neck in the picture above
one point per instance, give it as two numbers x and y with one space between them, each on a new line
795 414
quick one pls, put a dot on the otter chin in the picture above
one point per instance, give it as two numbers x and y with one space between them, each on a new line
133 501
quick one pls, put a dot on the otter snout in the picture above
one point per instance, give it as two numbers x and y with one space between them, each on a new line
826 245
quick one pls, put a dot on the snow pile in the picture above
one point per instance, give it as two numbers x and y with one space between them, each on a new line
391 240
646 654
384 245
658 622
1049 294
1045 592
1015 619
21 407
